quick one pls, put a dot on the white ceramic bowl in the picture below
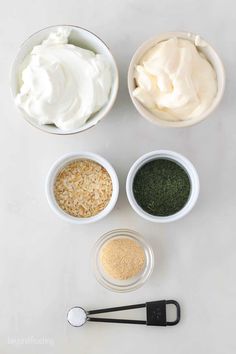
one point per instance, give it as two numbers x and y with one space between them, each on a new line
184 163
80 37
210 54
53 172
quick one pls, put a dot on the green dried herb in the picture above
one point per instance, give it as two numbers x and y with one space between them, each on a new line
161 187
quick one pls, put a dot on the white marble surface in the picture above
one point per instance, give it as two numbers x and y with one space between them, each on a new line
45 262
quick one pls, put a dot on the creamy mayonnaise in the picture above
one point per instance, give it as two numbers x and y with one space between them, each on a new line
63 84
175 81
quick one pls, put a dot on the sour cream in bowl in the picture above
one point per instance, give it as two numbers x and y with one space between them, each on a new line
64 79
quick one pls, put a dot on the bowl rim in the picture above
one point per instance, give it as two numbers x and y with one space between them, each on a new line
184 163
110 102
63 161
142 277
147 114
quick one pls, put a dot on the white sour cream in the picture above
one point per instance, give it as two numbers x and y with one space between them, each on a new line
175 81
63 84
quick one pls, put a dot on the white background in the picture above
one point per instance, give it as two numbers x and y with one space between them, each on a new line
45 262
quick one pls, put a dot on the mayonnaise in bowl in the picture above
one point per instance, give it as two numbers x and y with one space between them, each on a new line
176 79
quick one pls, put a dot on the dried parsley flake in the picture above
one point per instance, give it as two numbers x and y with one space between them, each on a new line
161 187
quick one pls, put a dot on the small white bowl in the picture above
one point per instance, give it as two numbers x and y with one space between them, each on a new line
53 172
80 37
184 163
210 54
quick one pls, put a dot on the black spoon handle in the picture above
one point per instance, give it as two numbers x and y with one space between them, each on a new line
113 309
111 320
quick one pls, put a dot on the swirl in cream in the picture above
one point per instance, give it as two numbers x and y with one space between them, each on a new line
63 84
175 80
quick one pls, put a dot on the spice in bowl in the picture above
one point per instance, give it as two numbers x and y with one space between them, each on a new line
83 188
122 258
161 187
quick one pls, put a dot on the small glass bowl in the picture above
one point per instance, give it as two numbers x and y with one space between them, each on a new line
122 285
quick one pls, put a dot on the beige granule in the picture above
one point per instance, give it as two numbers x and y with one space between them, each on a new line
122 258
83 188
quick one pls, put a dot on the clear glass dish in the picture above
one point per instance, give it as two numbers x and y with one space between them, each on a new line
122 285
